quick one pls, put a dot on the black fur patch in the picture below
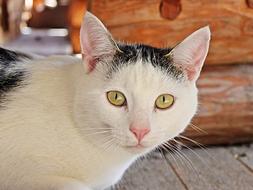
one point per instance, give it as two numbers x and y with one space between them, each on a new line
155 56
10 76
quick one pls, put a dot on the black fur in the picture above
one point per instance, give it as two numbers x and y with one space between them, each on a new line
10 76
7 56
155 56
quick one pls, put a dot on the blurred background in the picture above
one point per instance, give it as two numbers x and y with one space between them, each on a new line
225 115
36 26
155 22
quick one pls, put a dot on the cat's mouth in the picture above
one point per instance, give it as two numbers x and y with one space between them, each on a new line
137 145
138 148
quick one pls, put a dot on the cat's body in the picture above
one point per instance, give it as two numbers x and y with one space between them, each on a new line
57 129
38 131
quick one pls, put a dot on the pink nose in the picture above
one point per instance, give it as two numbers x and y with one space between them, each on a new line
139 133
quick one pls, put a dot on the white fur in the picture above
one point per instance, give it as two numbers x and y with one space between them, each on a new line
54 131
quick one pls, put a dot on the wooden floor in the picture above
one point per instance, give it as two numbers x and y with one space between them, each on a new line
217 168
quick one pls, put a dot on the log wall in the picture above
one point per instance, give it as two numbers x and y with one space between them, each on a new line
231 23
226 105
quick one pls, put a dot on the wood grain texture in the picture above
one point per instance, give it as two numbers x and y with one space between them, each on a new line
170 9
231 23
216 170
226 105
76 11
244 154
151 173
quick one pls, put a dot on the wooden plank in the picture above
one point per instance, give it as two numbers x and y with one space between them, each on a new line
139 21
226 105
244 154
150 173
216 170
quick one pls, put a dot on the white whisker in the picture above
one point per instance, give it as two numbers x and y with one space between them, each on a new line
197 128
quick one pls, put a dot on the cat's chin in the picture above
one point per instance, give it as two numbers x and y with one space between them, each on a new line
137 149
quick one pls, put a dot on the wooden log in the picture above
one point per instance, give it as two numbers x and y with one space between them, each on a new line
77 9
250 3
231 22
170 9
226 105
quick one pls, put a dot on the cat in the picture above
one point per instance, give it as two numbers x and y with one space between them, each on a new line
68 123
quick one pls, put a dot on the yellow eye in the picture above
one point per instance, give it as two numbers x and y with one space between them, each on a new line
116 98
164 101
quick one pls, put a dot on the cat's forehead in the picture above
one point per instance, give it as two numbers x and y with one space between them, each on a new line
142 55
142 78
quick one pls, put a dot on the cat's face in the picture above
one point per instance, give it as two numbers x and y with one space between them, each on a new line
144 95
155 106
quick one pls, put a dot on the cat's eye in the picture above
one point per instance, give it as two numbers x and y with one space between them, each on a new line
116 98
164 101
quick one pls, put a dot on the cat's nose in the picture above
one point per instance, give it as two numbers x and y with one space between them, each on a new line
139 133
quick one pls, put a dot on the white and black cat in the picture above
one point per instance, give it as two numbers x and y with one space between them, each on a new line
72 124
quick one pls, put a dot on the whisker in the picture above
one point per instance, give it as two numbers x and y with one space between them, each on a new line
197 128
169 146
106 145
181 155
96 129
98 132
196 154
191 140
201 146
171 154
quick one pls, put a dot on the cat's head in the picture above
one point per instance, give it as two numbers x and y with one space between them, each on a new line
139 96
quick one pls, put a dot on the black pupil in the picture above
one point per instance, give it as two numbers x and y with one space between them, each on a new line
116 96
163 98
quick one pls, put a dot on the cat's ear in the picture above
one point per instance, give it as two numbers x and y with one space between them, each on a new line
96 42
191 53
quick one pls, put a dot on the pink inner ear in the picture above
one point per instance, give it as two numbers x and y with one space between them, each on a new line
198 56
91 62
87 52
191 73
91 65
